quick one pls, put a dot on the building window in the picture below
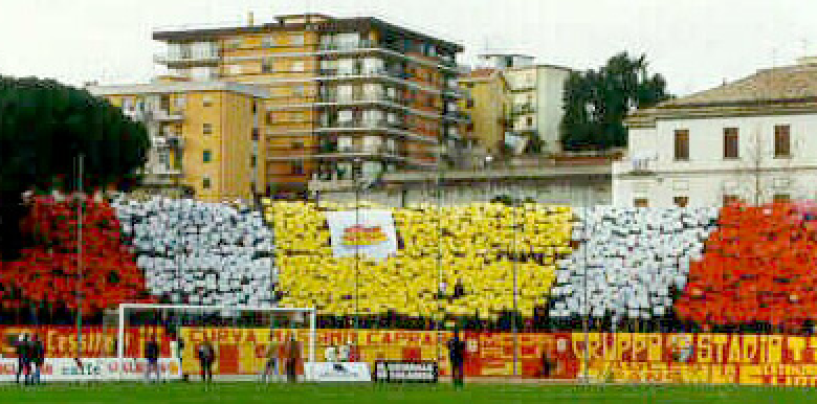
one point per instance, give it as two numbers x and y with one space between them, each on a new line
681 144
234 43
782 141
297 168
729 199
641 203
529 121
207 156
207 101
781 198
297 39
253 161
205 183
297 145
681 201
730 143
267 65
256 134
267 42
469 103
207 129
164 157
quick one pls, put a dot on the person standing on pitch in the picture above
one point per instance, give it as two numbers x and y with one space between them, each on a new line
271 368
207 355
152 356
456 353
23 358
344 351
330 354
293 355
37 358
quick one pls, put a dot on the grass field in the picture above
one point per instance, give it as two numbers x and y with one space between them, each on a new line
251 393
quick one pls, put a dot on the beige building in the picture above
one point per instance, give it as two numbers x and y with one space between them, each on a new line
536 100
488 107
205 135
346 95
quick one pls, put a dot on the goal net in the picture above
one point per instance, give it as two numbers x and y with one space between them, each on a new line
244 340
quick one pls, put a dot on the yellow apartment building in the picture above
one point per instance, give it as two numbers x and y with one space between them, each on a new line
488 106
206 136
348 97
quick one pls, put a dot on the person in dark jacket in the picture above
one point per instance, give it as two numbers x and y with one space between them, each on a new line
152 356
207 355
456 353
23 358
37 359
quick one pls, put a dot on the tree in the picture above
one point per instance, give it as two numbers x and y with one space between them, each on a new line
44 127
753 181
596 102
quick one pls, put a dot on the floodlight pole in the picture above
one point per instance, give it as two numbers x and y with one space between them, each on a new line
355 181
120 343
80 205
514 325
313 316
585 323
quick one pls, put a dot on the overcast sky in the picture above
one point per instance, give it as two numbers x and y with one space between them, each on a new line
696 44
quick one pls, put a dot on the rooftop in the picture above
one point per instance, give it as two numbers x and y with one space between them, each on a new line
785 89
180 87
193 32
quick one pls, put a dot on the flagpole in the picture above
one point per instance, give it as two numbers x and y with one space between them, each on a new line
79 255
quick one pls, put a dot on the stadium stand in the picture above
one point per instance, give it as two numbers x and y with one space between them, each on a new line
628 261
201 253
477 246
758 268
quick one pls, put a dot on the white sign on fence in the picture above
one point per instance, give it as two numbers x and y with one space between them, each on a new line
337 372
65 369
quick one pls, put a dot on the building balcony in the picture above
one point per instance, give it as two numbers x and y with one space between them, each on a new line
205 59
523 87
360 124
350 153
634 167
362 73
162 115
458 116
170 141
360 98
165 171
521 109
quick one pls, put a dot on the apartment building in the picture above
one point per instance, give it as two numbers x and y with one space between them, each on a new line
206 136
749 140
536 98
348 97
488 107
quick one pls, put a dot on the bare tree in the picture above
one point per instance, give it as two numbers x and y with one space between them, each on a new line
758 166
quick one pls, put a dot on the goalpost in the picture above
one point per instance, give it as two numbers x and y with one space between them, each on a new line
164 315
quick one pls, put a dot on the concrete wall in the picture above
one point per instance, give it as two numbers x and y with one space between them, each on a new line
586 192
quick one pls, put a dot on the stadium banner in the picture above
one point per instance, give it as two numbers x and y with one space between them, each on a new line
241 351
337 372
406 372
97 342
367 231
700 358
93 369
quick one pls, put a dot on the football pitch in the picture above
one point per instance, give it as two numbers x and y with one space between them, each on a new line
250 393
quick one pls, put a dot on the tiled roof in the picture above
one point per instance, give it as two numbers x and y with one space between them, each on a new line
791 83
